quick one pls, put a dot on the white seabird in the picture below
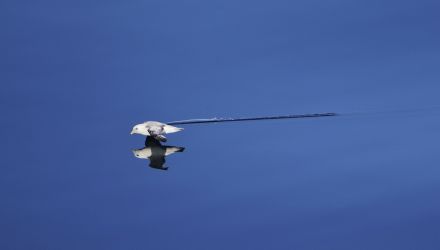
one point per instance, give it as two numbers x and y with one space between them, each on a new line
157 130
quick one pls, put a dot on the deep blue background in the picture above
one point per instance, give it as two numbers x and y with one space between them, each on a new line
77 75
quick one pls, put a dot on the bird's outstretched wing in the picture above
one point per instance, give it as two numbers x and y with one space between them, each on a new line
152 142
158 162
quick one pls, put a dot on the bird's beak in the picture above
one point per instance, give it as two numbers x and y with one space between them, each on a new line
131 132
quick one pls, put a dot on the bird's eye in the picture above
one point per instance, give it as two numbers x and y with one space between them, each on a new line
137 155
136 128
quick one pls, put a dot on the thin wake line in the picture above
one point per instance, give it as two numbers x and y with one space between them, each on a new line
217 120
301 116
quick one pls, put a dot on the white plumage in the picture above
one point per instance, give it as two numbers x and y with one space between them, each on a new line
155 129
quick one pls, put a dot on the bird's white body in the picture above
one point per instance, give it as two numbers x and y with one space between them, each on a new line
155 129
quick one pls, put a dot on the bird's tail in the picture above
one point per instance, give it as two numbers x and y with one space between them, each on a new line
171 129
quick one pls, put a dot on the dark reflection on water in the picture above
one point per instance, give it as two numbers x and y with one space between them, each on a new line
156 152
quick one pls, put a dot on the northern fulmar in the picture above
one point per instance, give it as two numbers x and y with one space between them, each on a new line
157 130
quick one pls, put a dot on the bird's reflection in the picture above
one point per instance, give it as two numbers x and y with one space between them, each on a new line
156 152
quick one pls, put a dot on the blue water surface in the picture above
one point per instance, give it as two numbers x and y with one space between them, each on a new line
77 75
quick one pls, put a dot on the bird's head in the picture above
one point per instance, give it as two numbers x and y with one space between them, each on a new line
139 129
